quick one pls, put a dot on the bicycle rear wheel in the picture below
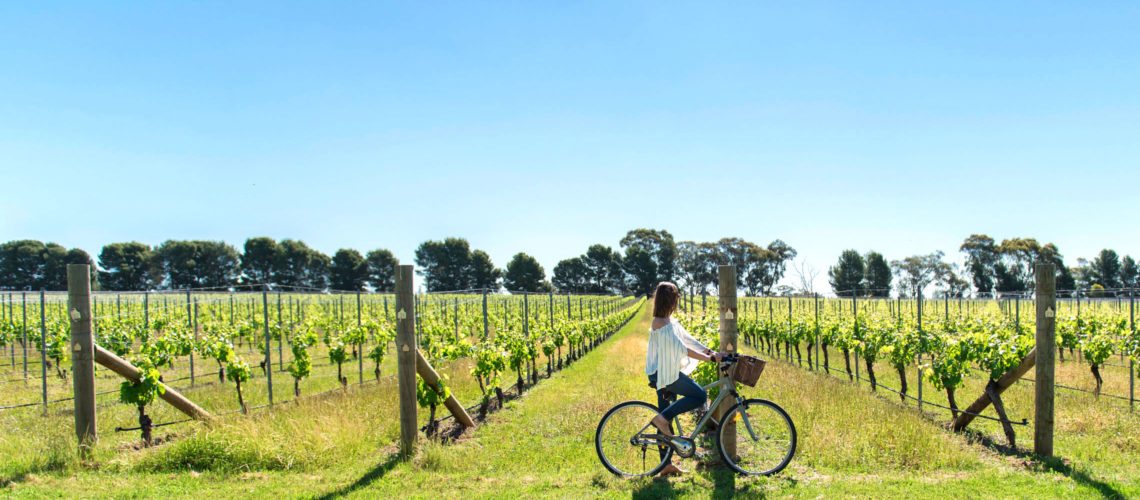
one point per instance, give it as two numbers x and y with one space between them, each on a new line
764 441
621 444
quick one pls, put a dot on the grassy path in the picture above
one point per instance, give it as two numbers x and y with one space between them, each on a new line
852 444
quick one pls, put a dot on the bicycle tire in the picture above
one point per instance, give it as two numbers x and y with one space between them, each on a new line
602 455
733 463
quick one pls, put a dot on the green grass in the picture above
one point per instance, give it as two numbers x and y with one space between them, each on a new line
851 444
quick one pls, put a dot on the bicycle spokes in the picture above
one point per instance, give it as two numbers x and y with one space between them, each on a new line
627 443
764 444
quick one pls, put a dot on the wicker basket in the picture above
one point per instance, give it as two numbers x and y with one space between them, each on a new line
747 370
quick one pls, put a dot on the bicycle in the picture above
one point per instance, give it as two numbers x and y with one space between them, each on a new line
626 439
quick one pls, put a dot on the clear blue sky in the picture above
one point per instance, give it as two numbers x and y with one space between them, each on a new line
547 126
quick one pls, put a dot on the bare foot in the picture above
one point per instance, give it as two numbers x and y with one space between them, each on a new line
670 470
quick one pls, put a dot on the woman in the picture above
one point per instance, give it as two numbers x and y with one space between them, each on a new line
669 361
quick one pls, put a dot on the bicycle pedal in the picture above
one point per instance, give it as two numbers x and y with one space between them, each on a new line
683 446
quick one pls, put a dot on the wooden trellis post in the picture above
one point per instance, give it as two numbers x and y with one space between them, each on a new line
1042 357
1046 349
406 357
82 354
728 340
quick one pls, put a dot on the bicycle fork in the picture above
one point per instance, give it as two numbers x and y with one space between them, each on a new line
744 416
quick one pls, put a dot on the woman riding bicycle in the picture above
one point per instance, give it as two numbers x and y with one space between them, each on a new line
669 361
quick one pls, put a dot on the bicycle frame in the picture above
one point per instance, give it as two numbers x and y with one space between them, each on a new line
727 386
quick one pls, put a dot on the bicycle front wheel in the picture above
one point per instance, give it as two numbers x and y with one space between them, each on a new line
621 443
757 438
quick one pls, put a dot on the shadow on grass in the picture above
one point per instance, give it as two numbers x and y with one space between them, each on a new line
655 488
1049 464
8 480
368 478
724 482
722 478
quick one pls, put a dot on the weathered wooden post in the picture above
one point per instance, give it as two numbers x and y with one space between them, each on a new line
486 325
190 325
818 336
431 378
790 331
728 340
526 334
855 328
360 348
268 345
918 369
24 330
43 351
82 354
406 357
195 330
125 369
1044 379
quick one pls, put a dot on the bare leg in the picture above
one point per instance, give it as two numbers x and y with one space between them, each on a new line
662 425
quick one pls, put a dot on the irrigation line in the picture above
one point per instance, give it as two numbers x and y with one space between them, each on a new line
156 307
153 426
1077 389
924 402
24 405
185 389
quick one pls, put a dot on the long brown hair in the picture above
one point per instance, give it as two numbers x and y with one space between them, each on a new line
665 299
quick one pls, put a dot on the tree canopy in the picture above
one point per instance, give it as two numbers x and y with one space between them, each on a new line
451 265
876 275
349 270
298 265
382 270
127 267
654 255
197 263
34 265
758 268
259 260
846 276
525 274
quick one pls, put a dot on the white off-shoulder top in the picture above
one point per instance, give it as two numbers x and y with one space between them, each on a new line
668 352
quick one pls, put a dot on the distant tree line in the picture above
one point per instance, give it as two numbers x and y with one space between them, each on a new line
35 265
652 256
991 268
645 257
177 264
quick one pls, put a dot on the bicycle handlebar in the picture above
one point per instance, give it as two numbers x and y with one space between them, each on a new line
727 361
